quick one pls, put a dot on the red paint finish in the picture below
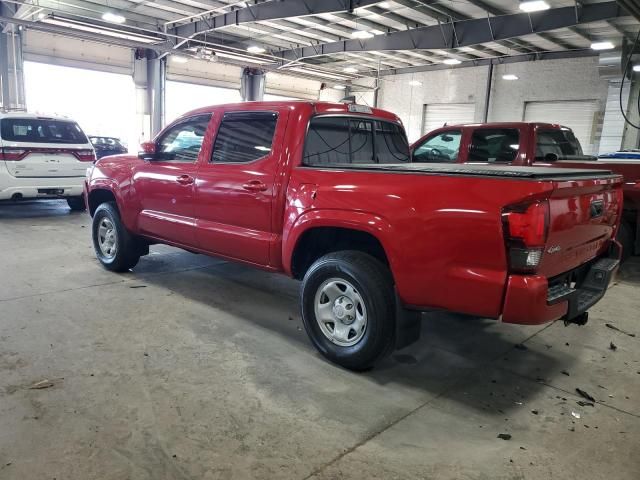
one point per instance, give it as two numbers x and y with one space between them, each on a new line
442 233
630 170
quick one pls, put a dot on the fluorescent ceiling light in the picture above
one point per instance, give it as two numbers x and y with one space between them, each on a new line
377 32
339 87
415 83
179 59
101 30
113 17
41 16
452 61
533 5
384 5
362 34
602 45
318 73
243 58
509 76
350 70
255 49
636 68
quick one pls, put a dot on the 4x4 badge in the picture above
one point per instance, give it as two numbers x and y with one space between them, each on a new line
554 249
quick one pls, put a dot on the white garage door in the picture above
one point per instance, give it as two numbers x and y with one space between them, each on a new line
579 115
435 115
182 97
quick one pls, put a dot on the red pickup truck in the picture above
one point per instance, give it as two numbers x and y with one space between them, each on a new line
326 193
533 144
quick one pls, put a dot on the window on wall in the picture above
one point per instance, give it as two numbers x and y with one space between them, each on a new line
181 97
101 103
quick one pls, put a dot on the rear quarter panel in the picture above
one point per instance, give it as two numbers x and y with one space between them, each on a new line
442 234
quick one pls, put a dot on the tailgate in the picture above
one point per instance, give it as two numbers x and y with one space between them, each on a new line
583 217
47 161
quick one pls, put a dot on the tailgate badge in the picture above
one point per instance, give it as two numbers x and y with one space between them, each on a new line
554 249
596 209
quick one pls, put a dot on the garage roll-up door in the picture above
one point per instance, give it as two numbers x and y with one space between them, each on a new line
435 115
579 115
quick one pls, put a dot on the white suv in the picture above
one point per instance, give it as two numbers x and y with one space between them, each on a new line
43 157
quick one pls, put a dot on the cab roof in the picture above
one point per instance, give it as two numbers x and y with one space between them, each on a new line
317 107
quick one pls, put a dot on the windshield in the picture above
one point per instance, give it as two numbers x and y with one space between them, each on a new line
557 145
41 130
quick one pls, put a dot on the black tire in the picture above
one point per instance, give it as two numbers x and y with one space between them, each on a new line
626 238
374 283
127 252
76 204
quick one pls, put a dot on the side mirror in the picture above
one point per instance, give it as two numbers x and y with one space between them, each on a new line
551 157
147 151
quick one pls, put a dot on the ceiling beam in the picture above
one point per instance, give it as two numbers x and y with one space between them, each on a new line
466 32
270 10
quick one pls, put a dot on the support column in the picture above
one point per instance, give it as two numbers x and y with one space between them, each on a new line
149 73
12 95
252 84
487 93
631 135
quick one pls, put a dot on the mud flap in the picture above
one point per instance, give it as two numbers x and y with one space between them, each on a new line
408 325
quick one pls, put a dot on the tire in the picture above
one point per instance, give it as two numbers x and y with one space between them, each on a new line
126 250
76 204
625 237
372 293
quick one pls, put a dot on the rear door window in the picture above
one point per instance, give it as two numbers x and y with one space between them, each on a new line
556 144
41 130
344 140
441 148
244 137
494 145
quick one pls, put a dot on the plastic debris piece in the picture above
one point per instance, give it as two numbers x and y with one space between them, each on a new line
42 384
613 327
575 414
584 394
613 346
585 404
504 436
520 346
564 372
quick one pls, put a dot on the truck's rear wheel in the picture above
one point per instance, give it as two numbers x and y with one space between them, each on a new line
115 247
348 308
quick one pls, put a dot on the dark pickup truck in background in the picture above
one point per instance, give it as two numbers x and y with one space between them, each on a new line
326 193
533 144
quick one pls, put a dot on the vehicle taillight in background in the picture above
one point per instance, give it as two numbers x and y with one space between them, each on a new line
85 155
12 154
526 228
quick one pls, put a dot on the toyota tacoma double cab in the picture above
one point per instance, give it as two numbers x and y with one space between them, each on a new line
534 144
326 193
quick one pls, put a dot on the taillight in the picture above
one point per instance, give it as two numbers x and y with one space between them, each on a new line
526 228
12 154
85 155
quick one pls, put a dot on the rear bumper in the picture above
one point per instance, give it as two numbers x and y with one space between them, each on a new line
16 187
530 300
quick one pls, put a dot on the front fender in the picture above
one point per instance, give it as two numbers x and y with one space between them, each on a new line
367 222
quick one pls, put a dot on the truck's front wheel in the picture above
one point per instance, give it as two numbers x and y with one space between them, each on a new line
115 247
348 308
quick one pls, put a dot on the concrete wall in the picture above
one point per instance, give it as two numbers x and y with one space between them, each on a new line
566 79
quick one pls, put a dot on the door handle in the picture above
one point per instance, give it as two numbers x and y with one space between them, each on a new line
185 179
255 186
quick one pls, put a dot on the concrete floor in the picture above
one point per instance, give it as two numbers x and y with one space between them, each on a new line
194 368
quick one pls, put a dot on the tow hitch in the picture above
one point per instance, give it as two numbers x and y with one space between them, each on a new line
581 319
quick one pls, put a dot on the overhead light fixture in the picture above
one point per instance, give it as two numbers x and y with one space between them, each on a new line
319 73
602 45
41 15
533 6
179 59
636 68
255 49
509 76
339 87
101 30
384 5
113 17
452 61
361 34
350 70
415 83
377 32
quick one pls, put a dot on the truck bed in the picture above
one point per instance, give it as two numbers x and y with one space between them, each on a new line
532 173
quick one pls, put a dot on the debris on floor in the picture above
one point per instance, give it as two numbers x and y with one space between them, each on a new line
585 404
584 394
613 327
42 384
138 286
564 372
504 436
520 346
575 414
613 346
